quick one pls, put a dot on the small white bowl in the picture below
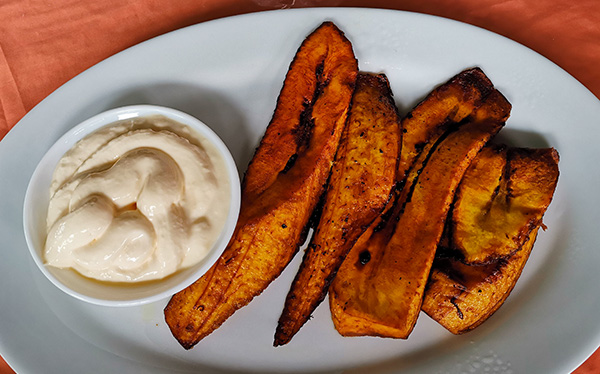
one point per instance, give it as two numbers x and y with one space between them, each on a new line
104 293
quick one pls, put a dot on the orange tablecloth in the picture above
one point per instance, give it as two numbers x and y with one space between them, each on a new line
45 43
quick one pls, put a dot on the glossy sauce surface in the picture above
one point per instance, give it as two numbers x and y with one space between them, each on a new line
136 200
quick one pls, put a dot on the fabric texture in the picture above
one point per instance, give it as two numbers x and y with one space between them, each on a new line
45 43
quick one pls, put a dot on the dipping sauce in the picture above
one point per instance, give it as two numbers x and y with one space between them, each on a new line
137 200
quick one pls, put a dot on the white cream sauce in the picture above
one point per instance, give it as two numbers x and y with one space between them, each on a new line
136 200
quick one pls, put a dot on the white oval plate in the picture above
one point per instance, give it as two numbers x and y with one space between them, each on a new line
228 73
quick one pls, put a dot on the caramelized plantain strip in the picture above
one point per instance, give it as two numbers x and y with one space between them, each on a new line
444 108
461 296
501 200
381 291
360 185
281 188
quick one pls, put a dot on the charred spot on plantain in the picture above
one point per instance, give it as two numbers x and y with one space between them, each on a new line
303 132
283 226
458 311
510 169
364 257
290 163
477 78
497 189
383 220
430 153
199 307
344 232
319 73
420 146
399 185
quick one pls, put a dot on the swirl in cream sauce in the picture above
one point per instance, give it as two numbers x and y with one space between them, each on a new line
136 200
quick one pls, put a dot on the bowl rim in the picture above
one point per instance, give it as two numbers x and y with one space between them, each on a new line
106 118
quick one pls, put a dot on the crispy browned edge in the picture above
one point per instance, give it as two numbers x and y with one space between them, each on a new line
524 184
389 295
360 186
444 108
281 187
462 296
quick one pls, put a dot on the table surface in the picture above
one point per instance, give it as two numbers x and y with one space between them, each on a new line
44 44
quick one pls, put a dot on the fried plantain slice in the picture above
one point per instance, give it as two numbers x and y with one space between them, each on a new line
381 289
360 185
281 188
461 296
501 199
444 108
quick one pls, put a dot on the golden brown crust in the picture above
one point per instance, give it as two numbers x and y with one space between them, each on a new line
502 198
281 187
443 108
383 296
461 296
360 185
